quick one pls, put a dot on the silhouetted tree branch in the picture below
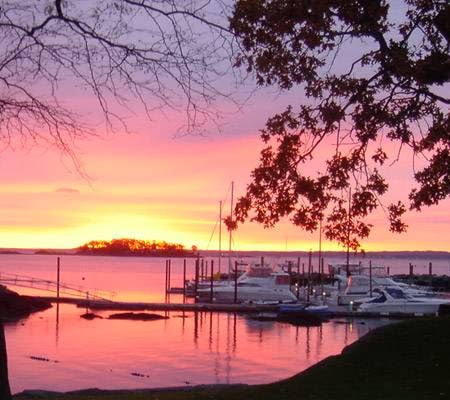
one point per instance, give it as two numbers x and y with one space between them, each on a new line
162 53
372 77
57 54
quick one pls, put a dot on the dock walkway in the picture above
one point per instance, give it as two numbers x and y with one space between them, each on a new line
334 311
143 306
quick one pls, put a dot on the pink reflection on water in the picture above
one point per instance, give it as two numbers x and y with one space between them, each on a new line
187 348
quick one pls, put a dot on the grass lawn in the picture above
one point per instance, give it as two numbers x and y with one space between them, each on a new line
403 361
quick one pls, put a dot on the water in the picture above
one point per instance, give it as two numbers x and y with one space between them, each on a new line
186 349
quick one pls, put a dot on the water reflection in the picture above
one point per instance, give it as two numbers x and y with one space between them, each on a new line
189 347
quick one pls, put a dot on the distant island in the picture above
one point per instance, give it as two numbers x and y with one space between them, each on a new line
134 247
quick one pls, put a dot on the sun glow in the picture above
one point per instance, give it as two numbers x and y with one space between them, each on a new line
151 187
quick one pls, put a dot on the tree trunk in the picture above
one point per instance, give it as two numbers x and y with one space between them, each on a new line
5 391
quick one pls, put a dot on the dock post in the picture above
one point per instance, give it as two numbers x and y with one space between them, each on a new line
57 290
169 262
235 281
322 290
197 266
262 261
370 277
430 268
165 290
165 283
57 279
212 281
184 281
202 275
290 273
411 270
309 274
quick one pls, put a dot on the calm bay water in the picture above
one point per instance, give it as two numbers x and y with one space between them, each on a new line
187 348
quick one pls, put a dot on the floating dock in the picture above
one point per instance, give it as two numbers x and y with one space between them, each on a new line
334 311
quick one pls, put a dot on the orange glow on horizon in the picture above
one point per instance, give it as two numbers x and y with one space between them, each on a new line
152 187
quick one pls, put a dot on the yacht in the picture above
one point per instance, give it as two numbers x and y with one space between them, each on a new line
260 284
359 285
393 300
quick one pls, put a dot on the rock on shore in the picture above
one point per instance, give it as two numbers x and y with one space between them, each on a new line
14 306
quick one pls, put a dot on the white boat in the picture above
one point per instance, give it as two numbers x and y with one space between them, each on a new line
339 270
259 284
393 300
358 287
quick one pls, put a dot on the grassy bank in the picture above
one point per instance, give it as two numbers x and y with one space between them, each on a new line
407 360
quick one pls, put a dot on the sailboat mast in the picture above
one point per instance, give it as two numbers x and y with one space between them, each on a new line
348 230
220 236
231 230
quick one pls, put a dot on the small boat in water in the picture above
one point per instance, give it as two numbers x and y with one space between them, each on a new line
303 315
393 300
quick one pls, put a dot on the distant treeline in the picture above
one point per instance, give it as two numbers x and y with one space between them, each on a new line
133 247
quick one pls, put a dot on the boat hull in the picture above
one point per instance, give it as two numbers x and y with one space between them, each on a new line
227 295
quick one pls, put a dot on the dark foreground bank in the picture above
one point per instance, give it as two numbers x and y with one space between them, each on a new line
406 360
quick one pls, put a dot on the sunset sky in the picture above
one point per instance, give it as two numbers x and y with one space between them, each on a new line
156 183
153 184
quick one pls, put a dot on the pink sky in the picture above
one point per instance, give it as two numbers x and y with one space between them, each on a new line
149 185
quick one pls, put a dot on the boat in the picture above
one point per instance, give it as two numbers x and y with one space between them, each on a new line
303 315
393 300
340 269
358 286
259 284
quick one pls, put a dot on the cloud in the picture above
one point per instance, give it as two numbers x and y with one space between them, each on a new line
66 190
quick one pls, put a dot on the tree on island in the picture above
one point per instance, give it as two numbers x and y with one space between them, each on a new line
375 79
132 247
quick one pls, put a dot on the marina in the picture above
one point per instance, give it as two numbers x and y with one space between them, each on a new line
194 343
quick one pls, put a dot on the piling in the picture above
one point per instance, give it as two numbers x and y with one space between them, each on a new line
320 275
184 281
57 278
197 266
169 265
290 273
57 289
322 290
212 281
309 274
235 280
411 270
430 268
165 282
370 277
